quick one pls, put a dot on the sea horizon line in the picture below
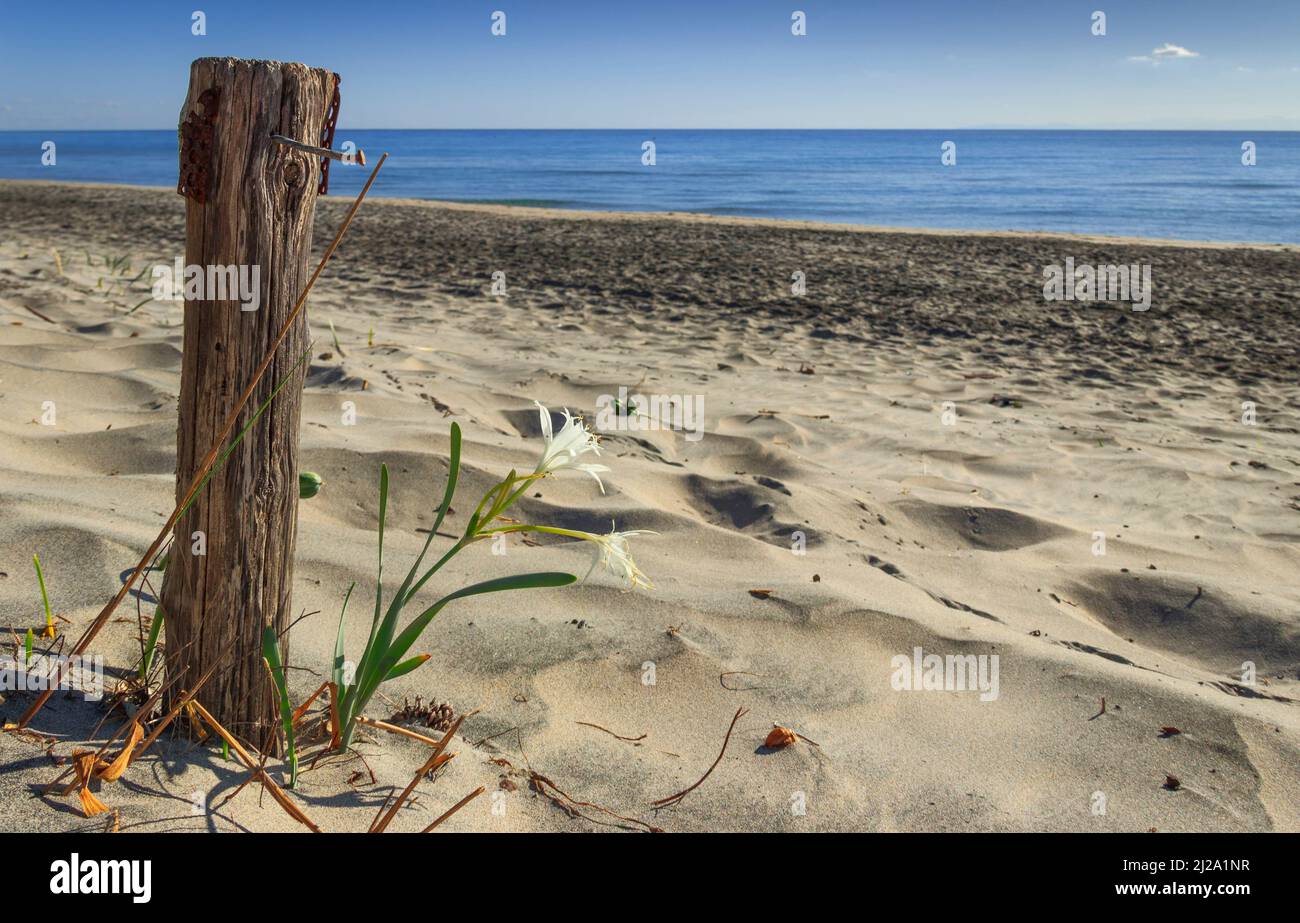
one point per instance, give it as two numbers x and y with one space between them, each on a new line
1064 128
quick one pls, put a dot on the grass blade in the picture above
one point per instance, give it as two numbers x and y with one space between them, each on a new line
271 653
45 597
453 474
406 591
337 673
383 517
379 577
406 666
151 644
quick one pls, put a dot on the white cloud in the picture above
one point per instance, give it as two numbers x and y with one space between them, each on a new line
1166 52
1169 50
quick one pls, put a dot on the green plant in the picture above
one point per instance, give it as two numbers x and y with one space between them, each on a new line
382 659
271 653
45 598
150 644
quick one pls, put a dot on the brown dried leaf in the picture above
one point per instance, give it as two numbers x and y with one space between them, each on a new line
760 594
90 805
85 768
113 771
1169 731
196 722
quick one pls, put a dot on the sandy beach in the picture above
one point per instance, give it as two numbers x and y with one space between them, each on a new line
916 452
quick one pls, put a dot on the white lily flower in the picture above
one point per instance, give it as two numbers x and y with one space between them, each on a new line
565 447
614 556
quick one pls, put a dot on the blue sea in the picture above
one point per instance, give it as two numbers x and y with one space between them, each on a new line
1169 184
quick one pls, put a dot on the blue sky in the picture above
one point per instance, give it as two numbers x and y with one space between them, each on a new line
678 63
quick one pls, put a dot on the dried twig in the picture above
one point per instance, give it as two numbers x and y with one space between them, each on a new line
254 774
39 314
674 799
433 762
630 740
276 792
495 736
570 805
455 807
722 680
394 729
302 709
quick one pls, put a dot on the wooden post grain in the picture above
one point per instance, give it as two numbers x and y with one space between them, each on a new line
250 204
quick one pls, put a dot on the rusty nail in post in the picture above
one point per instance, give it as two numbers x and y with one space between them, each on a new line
359 158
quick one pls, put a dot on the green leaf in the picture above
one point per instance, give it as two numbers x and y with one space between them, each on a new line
379 577
389 657
27 648
453 473
337 675
406 666
45 597
383 517
150 645
271 651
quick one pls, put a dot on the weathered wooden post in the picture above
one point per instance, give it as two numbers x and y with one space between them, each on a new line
250 204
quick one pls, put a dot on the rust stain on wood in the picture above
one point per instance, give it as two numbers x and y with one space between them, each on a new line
197 132
327 137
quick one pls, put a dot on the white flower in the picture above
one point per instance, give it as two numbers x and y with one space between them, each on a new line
614 556
565 447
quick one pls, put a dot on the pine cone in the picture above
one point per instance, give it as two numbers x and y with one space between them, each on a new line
441 717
